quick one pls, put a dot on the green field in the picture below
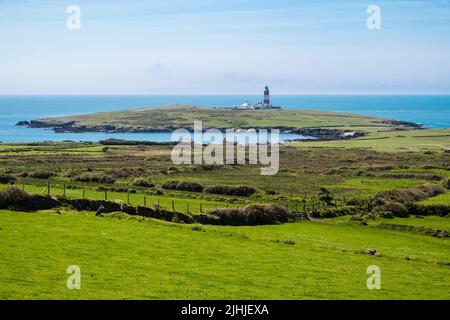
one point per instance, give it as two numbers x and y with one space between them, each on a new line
128 259
393 141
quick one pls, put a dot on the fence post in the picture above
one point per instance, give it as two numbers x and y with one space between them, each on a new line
23 186
48 187
84 192
106 194
128 196
173 205
187 210
145 201
64 190
201 208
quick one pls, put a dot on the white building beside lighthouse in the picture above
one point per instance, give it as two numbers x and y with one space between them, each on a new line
260 105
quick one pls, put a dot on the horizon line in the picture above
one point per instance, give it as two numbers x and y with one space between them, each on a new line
214 94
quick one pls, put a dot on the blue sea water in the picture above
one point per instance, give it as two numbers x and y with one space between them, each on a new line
431 111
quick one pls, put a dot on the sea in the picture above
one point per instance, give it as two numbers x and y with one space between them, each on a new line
432 111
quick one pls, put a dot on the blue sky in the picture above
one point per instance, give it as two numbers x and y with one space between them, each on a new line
224 47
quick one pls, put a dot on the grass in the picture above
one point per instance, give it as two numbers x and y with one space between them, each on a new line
127 259
427 222
392 141
369 186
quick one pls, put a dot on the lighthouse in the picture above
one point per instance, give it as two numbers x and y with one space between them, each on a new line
266 102
260 105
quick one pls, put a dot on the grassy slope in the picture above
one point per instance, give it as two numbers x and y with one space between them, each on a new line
123 259
136 199
392 141
225 118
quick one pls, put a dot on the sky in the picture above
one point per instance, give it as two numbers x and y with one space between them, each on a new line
224 47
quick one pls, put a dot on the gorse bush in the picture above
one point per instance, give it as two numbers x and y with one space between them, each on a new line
325 196
395 209
41 174
141 182
440 210
242 191
409 195
252 215
183 186
446 184
399 202
14 198
94 178
6 178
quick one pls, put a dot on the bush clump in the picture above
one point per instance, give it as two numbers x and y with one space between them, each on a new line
252 215
6 178
14 198
242 191
446 184
94 178
41 174
182 186
141 182
409 195
392 209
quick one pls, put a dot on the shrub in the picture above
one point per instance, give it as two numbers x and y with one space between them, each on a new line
326 196
440 210
14 198
433 177
183 186
6 178
170 185
141 182
446 184
119 189
395 209
242 191
94 178
409 195
41 174
257 214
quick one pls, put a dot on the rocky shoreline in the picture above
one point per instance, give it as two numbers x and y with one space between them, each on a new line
322 134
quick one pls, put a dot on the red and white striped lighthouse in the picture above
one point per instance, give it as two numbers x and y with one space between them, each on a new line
266 96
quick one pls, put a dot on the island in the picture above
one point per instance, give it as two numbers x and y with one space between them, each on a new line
322 125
